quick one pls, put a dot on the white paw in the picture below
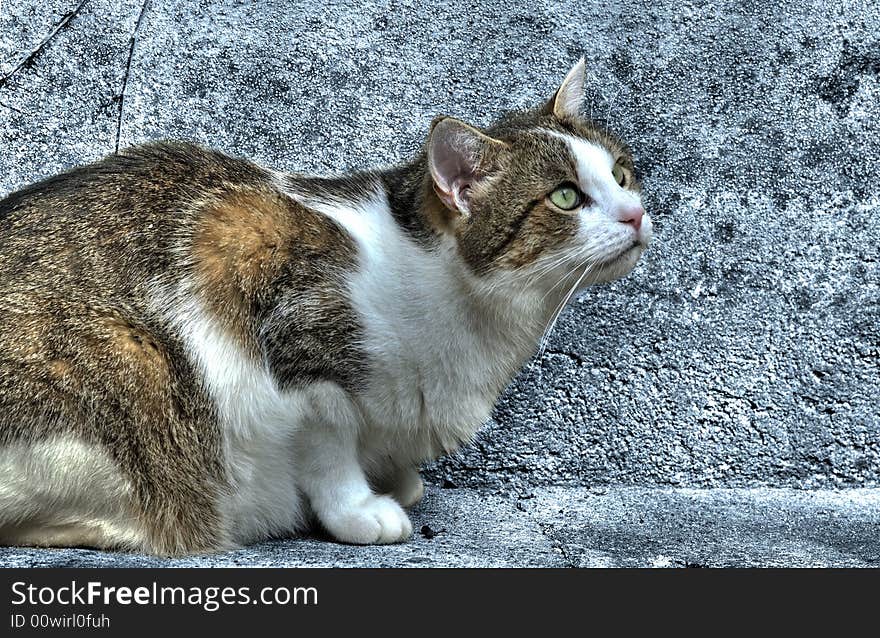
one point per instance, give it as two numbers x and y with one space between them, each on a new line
409 489
377 520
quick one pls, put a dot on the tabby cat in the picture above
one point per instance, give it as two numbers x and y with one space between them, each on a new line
197 352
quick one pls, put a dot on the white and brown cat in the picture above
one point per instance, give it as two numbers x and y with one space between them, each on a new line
197 352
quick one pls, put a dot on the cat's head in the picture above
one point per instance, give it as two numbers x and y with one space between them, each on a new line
541 195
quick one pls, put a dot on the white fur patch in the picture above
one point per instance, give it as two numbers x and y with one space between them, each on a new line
594 164
599 230
258 424
437 367
63 491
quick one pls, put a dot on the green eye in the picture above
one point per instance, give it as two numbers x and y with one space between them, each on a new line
619 175
566 197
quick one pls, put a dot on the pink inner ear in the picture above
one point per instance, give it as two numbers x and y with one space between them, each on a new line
456 196
454 154
450 167
461 194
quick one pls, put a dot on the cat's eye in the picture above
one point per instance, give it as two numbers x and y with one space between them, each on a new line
566 197
619 174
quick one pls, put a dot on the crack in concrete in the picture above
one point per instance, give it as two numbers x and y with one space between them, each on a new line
132 45
544 527
556 544
29 59
10 107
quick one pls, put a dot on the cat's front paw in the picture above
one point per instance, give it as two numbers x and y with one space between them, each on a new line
377 520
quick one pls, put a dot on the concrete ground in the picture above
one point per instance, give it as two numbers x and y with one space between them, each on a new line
576 527
737 365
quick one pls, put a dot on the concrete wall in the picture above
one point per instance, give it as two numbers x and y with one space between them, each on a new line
744 350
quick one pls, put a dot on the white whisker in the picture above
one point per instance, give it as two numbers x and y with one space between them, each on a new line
546 336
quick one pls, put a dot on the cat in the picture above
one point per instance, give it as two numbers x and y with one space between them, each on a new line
197 352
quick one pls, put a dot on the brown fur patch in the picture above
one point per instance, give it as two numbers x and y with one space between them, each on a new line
131 341
240 242
59 368
135 347
243 241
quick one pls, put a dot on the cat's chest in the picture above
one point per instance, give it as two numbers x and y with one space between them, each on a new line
418 417
437 358
433 381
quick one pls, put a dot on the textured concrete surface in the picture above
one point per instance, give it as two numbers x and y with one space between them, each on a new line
578 527
743 351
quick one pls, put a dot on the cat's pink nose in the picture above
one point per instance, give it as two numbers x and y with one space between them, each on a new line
631 215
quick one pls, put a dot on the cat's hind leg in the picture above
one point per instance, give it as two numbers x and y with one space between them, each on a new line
63 492
107 439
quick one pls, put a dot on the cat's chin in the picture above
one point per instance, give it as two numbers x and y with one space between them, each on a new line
617 266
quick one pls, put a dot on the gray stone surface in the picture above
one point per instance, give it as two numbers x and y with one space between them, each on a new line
577 527
60 108
638 527
743 351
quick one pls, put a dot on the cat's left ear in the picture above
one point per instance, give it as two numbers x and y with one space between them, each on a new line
457 158
569 97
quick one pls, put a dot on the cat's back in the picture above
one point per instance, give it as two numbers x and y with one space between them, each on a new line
119 217
139 180
159 232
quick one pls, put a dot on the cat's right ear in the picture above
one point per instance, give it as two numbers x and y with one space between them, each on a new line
569 97
456 157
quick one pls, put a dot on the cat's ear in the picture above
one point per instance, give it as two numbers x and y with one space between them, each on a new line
569 97
456 157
